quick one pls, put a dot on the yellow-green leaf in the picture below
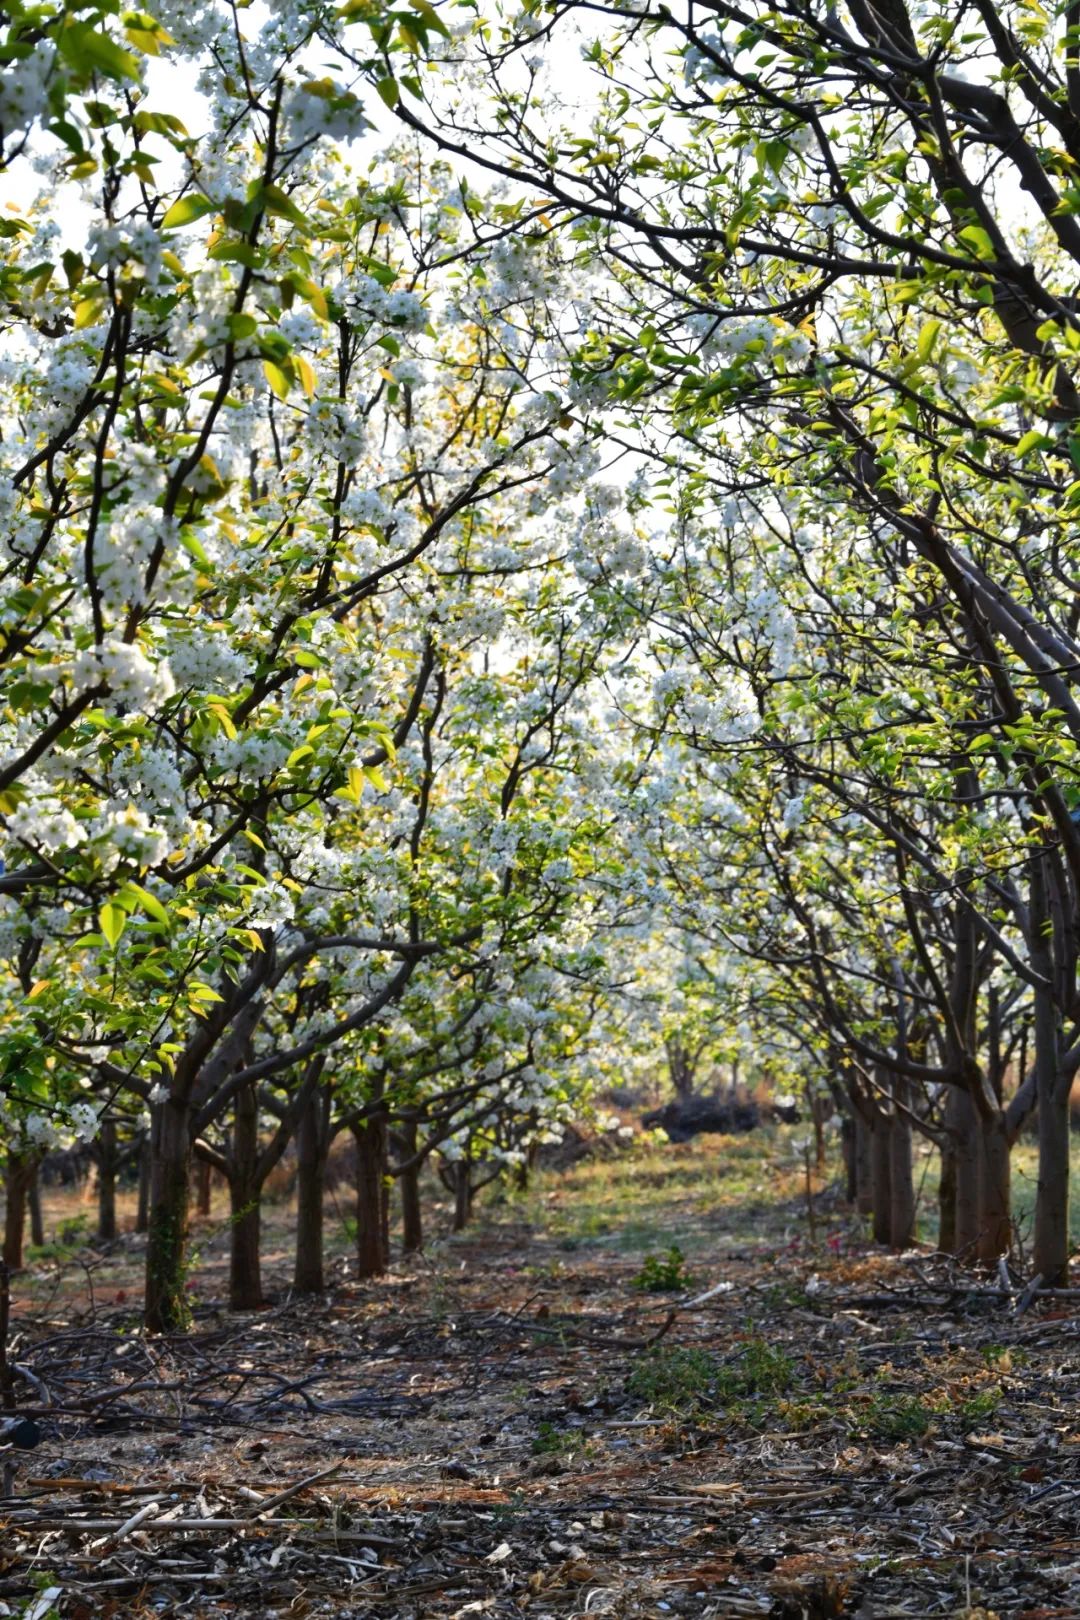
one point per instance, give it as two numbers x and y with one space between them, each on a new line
88 51
202 992
112 919
1035 440
185 209
88 312
306 375
277 379
149 903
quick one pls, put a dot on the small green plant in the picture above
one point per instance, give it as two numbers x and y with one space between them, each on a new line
675 1380
1004 1358
552 1442
977 1408
780 1295
663 1273
892 1418
758 1369
42 1607
501 1511
799 1415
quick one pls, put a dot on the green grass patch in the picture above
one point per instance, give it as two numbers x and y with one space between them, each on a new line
738 1188
690 1381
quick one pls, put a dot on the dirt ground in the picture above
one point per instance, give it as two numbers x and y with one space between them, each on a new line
552 1415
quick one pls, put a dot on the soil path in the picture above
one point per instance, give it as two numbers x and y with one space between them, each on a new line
795 1427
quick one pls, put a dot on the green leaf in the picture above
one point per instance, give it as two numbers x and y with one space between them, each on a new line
978 239
145 33
242 325
276 201
186 209
236 253
1035 440
927 338
430 16
354 788
194 547
308 380
88 312
149 902
112 919
88 51
388 91
224 720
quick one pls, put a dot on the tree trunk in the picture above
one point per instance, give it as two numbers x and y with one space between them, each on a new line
384 1202
962 1121
33 1204
20 1168
462 1194
529 1160
864 1166
818 1116
995 1223
203 1173
847 1147
245 1272
680 1069
166 1309
412 1219
947 1202
1050 1257
311 1152
245 1275
106 1169
901 1180
371 1167
142 1208
881 1150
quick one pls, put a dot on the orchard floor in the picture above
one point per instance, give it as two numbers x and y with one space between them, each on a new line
801 1427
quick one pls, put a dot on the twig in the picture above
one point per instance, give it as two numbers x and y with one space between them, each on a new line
1033 1288
287 1495
113 1527
710 1293
606 1342
147 1510
36 1384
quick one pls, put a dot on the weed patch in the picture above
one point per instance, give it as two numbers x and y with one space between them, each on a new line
71 1236
663 1273
691 1381
892 1418
554 1442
